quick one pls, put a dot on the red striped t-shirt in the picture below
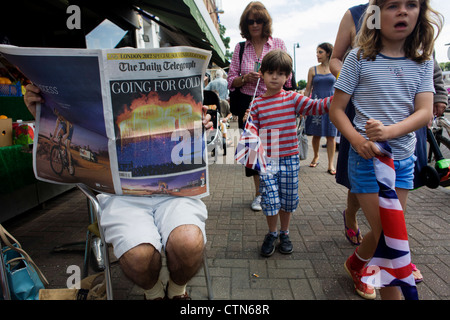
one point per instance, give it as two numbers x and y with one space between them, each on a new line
275 118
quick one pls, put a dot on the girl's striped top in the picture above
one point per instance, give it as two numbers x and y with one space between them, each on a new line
385 90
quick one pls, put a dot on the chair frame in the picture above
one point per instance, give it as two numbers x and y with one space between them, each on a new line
4 284
94 215
211 98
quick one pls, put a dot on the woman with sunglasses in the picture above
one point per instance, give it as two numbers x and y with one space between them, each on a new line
256 28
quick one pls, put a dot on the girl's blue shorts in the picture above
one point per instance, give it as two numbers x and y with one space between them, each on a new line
361 173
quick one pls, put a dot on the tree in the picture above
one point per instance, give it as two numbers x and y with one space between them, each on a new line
226 42
301 84
445 66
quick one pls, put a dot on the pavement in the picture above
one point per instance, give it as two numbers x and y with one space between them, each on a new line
314 271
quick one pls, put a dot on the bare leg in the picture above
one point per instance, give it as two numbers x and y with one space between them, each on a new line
285 219
331 151
315 144
142 265
184 252
350 215
256 182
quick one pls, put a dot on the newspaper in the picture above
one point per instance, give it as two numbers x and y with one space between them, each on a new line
121 121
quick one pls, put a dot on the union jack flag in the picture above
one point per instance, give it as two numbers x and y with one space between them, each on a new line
391 263
249 150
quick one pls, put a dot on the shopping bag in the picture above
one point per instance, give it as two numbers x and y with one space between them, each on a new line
92 287
25 279
302 139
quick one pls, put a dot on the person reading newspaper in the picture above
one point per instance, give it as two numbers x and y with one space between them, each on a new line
139 227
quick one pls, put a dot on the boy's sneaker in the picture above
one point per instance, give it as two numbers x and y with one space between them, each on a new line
364 290
285 245
256 204
268 246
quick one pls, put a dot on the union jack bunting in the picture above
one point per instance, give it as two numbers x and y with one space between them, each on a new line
391 263
249 150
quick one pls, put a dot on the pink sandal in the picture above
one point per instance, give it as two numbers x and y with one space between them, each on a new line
349 233
416 273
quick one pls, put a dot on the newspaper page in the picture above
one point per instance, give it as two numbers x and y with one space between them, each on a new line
121 121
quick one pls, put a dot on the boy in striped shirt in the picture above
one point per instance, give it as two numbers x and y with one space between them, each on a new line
275 112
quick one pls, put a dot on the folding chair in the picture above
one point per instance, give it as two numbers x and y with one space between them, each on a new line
94 213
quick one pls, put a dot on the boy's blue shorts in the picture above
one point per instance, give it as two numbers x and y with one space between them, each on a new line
279 190
361 173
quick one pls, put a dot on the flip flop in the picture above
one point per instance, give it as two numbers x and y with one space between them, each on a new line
332 172
349 233
416 273
313 164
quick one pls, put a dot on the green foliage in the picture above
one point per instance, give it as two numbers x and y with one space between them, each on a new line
301 84
445 66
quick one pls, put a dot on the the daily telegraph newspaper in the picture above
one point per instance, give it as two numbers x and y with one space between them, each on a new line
129 119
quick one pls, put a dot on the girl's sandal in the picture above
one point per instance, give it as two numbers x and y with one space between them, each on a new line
416 273
350 233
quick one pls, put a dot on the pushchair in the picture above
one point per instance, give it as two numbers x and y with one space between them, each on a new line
214 135
439 175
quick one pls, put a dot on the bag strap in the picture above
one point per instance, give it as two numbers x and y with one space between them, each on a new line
4 234
241 54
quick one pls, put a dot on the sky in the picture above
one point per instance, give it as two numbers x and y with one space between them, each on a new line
311 22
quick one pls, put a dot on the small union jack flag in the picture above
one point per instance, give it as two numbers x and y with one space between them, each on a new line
250 151
391 263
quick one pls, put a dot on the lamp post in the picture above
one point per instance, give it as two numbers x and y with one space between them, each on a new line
296 45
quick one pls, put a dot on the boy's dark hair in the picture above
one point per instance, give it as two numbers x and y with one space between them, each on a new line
277 60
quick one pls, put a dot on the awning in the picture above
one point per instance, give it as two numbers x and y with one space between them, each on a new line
191 18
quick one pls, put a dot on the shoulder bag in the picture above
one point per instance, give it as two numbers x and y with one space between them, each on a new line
239 101
23 276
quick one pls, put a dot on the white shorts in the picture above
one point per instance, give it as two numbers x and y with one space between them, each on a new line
130 221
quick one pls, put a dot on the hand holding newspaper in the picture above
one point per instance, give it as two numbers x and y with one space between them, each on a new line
121 121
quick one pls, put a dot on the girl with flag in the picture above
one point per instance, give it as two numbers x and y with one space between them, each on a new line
389 77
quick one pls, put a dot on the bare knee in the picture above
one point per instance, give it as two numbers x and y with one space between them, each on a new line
142 265
186 242
184 253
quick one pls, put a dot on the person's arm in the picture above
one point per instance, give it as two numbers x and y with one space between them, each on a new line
206 118
365 148
344 40
441 95
305 106
308 88
423 112
233 78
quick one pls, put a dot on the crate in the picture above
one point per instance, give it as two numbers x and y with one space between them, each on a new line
6 132
11 90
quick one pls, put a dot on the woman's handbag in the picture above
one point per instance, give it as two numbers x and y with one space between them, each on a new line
302 139
23 276
239 101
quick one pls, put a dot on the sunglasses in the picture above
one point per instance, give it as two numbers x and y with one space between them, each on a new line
258 21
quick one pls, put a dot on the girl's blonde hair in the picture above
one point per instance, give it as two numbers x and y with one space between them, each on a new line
419 45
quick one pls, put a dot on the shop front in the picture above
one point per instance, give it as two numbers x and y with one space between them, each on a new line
84 24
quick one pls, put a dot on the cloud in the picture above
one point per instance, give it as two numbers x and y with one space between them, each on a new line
310 22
